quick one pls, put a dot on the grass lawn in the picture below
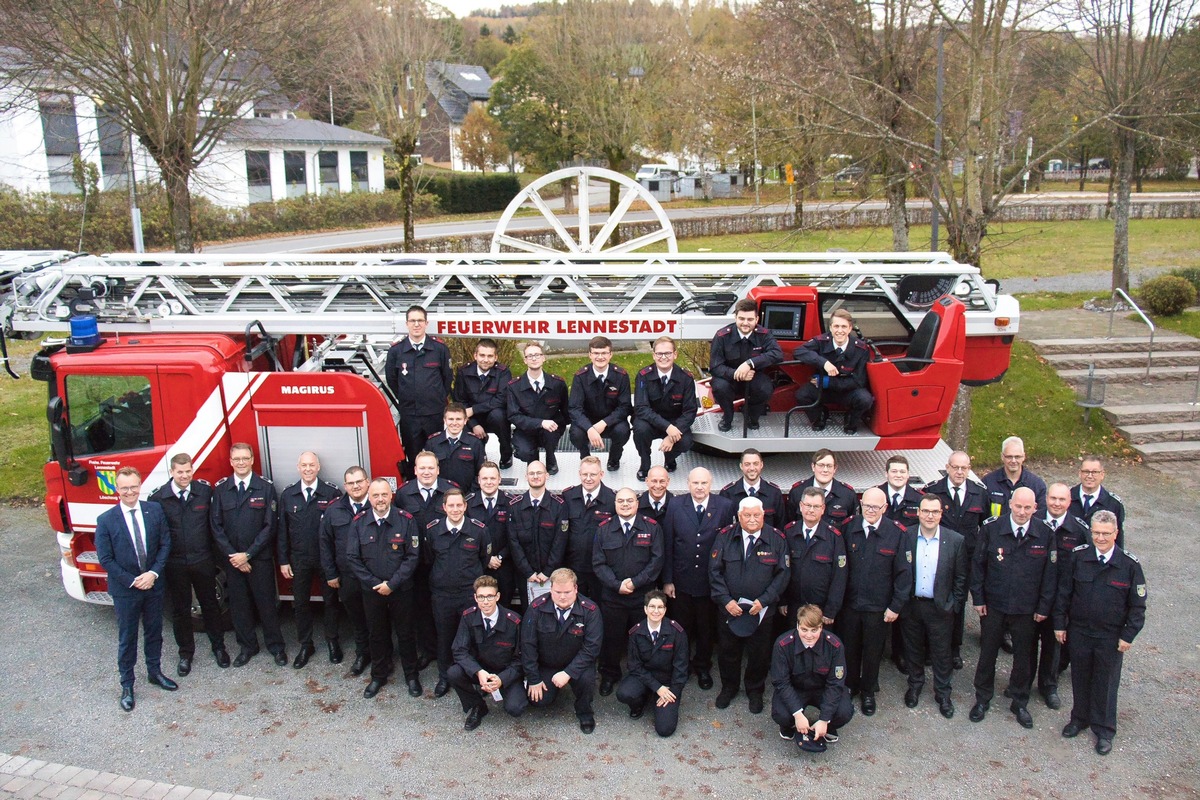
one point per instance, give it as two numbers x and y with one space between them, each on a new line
1023 249
24 433
1034 403
1186 323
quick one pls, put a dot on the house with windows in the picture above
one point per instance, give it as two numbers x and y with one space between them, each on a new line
268 154
453 90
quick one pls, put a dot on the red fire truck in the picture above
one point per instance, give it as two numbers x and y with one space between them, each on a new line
191 353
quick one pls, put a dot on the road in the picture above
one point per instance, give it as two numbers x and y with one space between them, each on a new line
282 733
389 236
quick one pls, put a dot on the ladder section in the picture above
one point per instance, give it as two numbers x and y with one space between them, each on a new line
634 296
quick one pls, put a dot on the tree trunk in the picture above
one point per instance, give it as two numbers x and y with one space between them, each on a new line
568 190
897 193
408 195
1124 184
958 425
179 207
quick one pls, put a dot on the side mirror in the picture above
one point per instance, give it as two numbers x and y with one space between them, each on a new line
60 443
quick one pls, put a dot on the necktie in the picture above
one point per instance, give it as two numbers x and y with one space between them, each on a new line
750 542
138 545
1053 524
454 531
453 443
1087 502
870 530
628 527
653 637
699 513
562 617
957 496
535 502
1103 560
751 492
537 387
657 507
665 378
808 534
357 508
1020 532
489 505
895 500
421 348
241 489
183 497
587 500
837 352
379 522
428 493
308 494
487 626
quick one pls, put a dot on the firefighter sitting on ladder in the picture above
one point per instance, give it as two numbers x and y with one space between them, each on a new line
841 365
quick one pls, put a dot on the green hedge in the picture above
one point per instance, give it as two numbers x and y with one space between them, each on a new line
471 194
42 221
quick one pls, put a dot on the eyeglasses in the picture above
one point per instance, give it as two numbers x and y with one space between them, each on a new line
664 355
1014 458
1091 472
872 508
812 506
129 489
241 459
656 607
487 597
534 356
930 511
624 500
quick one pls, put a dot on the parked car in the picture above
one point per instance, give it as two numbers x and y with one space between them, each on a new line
651 171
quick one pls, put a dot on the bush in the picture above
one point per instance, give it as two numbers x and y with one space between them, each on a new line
1189 274
1167 295
43 221
471 194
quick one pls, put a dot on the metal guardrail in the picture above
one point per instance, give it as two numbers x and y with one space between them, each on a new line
1145 319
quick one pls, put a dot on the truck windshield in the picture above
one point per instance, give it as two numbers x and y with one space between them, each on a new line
109 413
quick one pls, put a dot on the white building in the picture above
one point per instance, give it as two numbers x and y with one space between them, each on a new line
259 159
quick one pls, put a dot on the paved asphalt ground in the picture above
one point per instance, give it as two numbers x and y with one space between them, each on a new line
283 733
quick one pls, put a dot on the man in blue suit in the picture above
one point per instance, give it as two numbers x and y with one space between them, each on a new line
132 542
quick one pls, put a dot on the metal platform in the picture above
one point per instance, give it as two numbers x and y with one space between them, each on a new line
769 437
860 469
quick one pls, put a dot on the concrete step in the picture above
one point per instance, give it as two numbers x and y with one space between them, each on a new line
1150 414
1131 374
1169 451
1157 433
1163 358
1117 344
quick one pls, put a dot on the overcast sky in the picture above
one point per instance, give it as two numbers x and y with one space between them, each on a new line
463 8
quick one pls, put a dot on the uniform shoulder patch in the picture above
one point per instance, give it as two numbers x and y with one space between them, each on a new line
400 512
476 523
786 639
651 521
223 480
1115 497
685 372
539 601
645 370
331 486
768 483
556 497
201 481
588 604
617 368
468 612
902 529
515 499
1132 557
798 484
676 626
724 331
1080 547
859 343
633 629
433 523
514 380
729 485
848 486
833 640
433 436
990 519
582 370
513 616
551 376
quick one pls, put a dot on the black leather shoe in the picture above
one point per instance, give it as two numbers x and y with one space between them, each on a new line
1023 716
127 702
704 680
752 424
756 703
335 651
1071 730
1104 746
725 697
606 686
442 688
243 658
1052 701
222 657
281 658
958 662
474 717
414 688
163 682
614 466
636 712
725 425
978 712
505 463
946 706
373 688
669 465
868 703
850 428
641 474
911 698
820 422
185 666
587 724
552 467
307 651
361 662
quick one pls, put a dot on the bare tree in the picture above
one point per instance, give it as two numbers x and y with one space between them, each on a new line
1130 44
175 73
393 43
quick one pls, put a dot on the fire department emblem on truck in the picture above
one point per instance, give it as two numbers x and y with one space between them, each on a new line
106 479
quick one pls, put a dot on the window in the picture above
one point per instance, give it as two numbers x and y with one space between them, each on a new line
60 134
358 170
114 149
109 413
258 175
327 164
293 173
876 317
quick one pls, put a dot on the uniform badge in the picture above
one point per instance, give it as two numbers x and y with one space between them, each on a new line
787 560
1000 554
416 542
1054 556
841 562
908 555
839 672
1141 590
404 368
566 525
395 547
489 549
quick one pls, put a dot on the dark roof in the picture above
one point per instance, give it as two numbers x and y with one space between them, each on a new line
456 86
298 131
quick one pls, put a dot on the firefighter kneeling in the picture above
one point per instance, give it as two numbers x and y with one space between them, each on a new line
808 668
